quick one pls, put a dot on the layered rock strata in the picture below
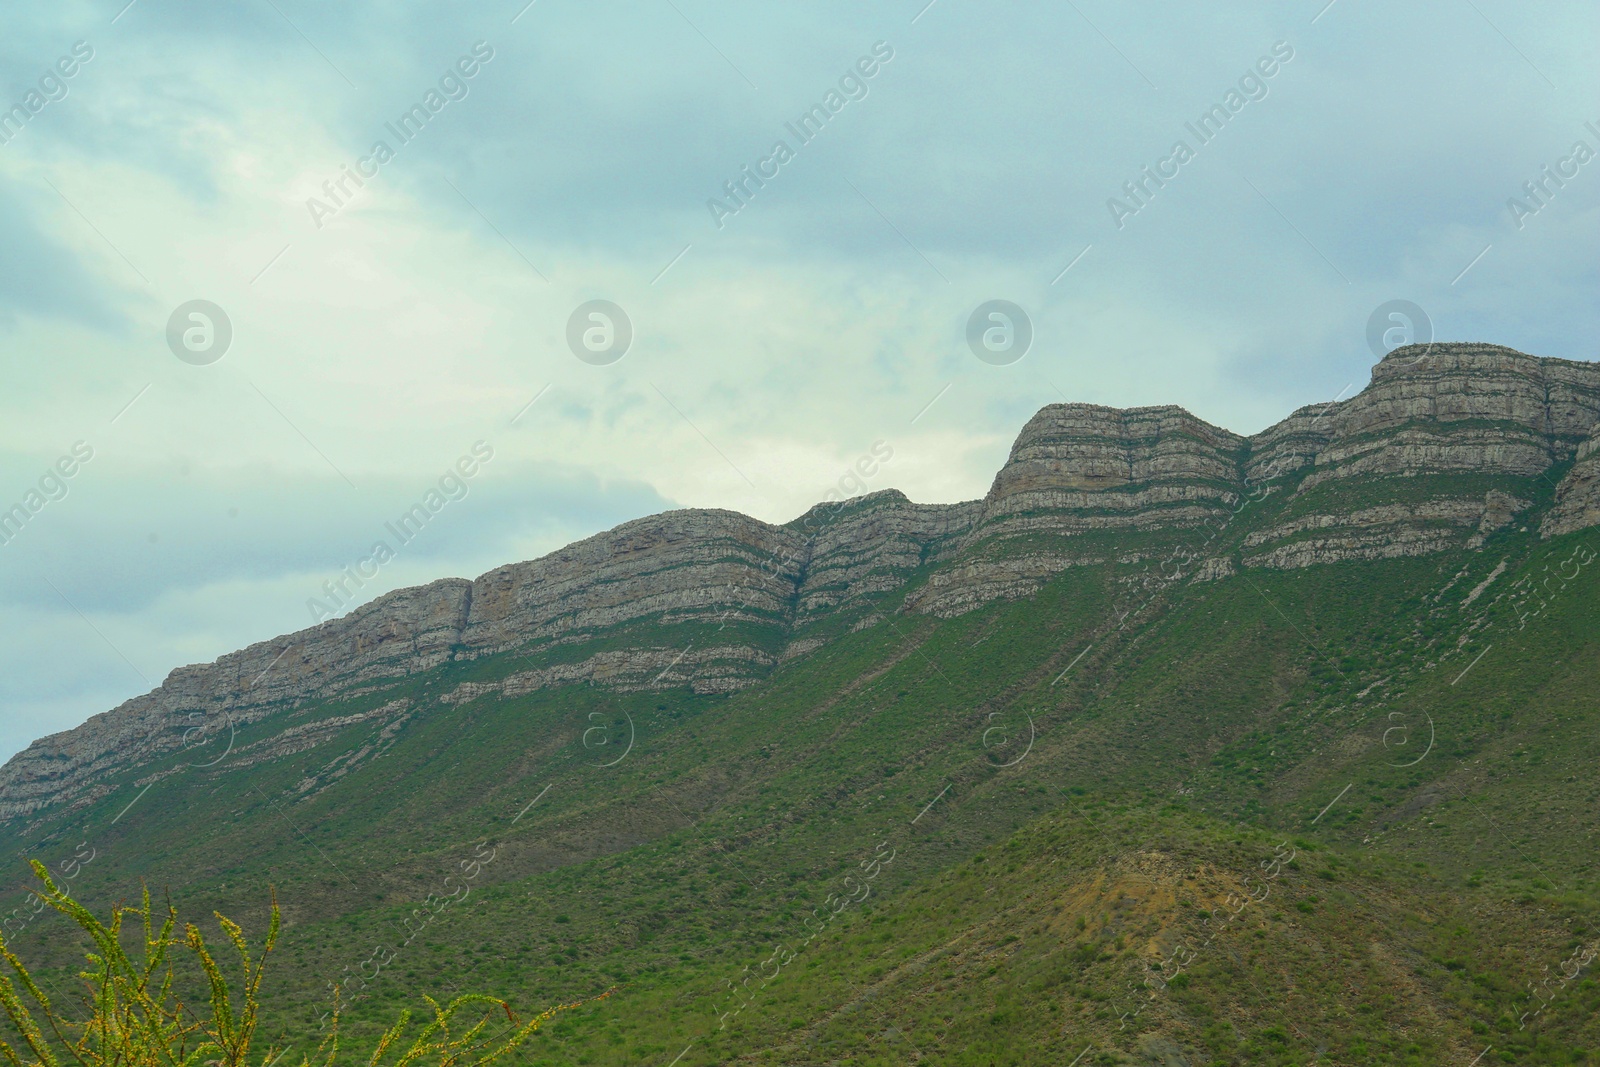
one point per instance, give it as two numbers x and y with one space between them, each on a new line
1476 413
1431 456
1082 469
1578 496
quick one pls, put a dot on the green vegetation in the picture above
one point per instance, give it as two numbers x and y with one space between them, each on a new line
1344 814
135 1013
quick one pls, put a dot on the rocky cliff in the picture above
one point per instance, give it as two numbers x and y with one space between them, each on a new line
1446 444
1443 447
1578 496
1085 485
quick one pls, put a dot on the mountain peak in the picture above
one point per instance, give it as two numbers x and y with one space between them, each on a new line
832 510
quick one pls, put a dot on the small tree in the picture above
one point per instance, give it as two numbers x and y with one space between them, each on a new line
138 1019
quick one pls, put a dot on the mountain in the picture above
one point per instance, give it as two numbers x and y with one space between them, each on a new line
1178 746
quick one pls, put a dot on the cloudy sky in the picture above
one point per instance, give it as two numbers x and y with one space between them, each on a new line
559 153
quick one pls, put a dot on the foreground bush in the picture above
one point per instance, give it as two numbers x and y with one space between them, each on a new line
137 1017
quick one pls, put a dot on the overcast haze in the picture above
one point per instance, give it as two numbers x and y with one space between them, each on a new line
381 330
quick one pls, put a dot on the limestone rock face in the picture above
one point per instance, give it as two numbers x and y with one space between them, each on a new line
1440 407
1371 533
1084 469
1445 409
199 707
1578 496
1430 457
681 566
1460 407
749 583
1103 468
1291 445
870 546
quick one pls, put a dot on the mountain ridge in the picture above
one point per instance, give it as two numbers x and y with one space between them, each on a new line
1168 718
1443 443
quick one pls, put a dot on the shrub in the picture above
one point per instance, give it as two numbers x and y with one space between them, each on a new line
137 1017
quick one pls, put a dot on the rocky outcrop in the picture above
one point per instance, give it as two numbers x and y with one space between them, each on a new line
1082 469
1578 496
681 566
1094 458
403 632
700 598
1441 408
714 601
1386 532
1477 413
720 668
861 549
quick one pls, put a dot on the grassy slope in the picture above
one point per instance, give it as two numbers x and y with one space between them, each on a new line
1165 765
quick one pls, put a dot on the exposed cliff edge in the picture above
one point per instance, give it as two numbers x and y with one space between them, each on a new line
1578 496
1442 448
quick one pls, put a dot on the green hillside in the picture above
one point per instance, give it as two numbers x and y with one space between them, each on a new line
1342 814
